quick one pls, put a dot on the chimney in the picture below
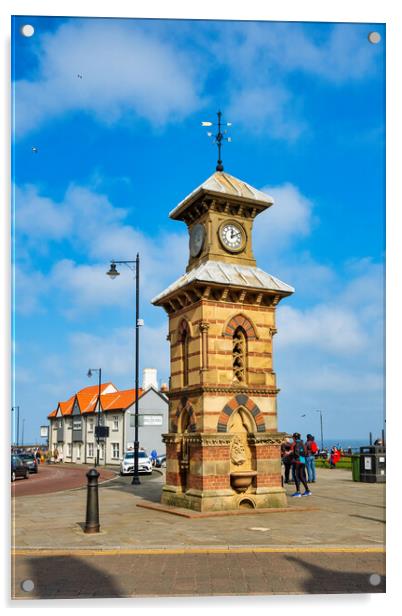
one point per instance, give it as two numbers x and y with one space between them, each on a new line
149 378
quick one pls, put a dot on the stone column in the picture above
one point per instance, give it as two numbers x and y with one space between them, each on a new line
204 327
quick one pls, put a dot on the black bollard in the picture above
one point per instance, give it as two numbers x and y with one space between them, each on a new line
92 519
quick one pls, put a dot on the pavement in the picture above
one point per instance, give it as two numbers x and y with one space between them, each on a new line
333 541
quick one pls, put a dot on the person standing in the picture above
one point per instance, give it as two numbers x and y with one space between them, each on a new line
334 457
311 452
154 455
286 453
299 464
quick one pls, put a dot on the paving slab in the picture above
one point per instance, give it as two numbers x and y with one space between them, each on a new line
105 576
343 513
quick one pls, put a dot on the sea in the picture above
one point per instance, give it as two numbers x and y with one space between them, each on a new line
345 443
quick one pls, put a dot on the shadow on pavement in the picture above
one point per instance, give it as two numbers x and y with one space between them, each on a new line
65 577
366 517
323 581
150 488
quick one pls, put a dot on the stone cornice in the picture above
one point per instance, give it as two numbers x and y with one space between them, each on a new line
219 439
197 291
267 438
197 391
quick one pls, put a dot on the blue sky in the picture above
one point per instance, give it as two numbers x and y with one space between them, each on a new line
121 146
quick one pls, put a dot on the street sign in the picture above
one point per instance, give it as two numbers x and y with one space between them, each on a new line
101 431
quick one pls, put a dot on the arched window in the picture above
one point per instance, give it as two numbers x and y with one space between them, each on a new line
239 356
184 339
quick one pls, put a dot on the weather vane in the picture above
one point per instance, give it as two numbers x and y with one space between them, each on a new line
219 137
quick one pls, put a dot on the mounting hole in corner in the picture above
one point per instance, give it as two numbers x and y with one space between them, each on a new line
27 30
27 585
374 37
374 579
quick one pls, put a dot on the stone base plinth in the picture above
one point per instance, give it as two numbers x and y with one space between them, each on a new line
224 500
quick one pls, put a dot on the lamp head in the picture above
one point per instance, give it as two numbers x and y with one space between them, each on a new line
89 373
112 273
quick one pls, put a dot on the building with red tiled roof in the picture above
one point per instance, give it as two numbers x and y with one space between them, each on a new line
73 425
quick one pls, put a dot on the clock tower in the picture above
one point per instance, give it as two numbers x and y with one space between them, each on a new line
223 447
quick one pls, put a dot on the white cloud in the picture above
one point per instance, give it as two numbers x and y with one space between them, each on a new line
266 109
30 288
261 59
123 71
95 229
39 218
83 288
350 320
132 68
331 328
289 219
294 47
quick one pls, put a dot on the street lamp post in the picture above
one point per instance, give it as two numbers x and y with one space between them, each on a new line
322 435
17 409
99 371
113 273
23 426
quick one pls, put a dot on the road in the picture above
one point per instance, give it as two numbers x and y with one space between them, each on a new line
55 478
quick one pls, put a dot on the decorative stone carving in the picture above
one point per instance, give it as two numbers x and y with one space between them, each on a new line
237 451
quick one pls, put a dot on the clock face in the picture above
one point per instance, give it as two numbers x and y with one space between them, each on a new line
232 236
197 235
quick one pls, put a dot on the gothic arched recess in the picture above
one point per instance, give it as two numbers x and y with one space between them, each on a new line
184 419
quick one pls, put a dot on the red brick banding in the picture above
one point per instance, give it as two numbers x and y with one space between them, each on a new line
233 405
240 321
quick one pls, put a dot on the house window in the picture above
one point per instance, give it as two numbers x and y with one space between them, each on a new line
239 355
90 424
90 450
69 425
101 450
78 451
77 424
115 450
60 423
68 450
115 422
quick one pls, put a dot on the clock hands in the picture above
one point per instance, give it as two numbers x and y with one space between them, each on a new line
234 234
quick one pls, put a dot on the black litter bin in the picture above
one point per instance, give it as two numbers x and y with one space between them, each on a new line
372 464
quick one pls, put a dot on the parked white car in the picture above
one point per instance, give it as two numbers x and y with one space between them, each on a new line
144 463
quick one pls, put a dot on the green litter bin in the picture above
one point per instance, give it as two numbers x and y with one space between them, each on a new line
356 467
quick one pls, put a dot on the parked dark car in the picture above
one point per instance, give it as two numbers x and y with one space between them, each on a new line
30 460
18 468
